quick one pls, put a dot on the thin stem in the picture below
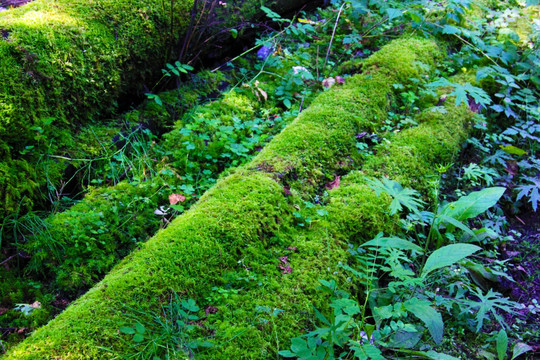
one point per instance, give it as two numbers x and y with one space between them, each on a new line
333 34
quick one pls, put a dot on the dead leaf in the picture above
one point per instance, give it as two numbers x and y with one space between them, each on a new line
333 184
329 82
36 305
340 80
176 198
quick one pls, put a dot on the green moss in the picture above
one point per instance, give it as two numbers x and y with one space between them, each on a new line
243 225
411 156
400 65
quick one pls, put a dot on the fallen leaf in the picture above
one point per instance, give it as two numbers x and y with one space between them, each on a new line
329 82
333 184
340 80
176 198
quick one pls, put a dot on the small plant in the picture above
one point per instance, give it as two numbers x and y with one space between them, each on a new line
174 332
402 281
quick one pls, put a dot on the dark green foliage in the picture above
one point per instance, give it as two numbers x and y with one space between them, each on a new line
240 226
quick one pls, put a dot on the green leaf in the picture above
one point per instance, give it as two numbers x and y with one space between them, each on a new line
474 204
393 13
392 242
287 353
448 255
140 328
367 351
513 150
127 330
433 355
138 338
520 348
430 317
502 344
400 196
190 305
234 33
449 29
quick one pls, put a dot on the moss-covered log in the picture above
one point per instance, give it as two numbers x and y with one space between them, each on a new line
242 224
67 62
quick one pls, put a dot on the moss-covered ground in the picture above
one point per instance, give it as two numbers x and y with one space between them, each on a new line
244 224
231 224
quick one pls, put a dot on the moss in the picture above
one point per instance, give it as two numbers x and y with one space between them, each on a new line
400 65
242 225
412 156
73 61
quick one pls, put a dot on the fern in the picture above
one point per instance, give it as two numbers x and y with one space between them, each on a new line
531 191
462 91
400 196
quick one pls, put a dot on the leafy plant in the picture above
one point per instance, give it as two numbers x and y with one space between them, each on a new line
168 334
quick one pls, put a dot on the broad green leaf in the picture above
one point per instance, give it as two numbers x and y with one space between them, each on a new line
502 344
520 348
430 317
138 338
449 29
433 355
448 255
514 150
127 330
456 223
393 13
140 328
392 242
474 204
287 353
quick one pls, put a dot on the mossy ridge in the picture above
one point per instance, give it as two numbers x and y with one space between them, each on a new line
355 214
323 136
82 243
70 61
78 58
238 216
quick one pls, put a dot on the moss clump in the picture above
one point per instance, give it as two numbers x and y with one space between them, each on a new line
413 154
242 224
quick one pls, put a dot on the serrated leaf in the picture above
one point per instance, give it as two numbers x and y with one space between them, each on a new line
392 242
430 317
400 196
448 255
474 204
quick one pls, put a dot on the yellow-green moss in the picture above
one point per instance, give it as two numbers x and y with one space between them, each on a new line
243 224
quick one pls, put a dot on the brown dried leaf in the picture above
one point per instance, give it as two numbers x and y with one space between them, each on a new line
333 184
176 198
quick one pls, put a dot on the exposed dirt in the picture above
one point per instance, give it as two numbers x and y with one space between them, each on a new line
12 3
523 255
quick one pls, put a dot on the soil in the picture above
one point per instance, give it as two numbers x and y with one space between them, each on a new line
522 256
12 3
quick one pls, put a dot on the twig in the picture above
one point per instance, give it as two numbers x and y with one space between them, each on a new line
9 258
333 34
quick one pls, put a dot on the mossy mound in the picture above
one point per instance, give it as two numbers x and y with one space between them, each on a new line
66 63
242 223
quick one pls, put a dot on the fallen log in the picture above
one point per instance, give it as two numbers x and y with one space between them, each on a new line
70 62
243 223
